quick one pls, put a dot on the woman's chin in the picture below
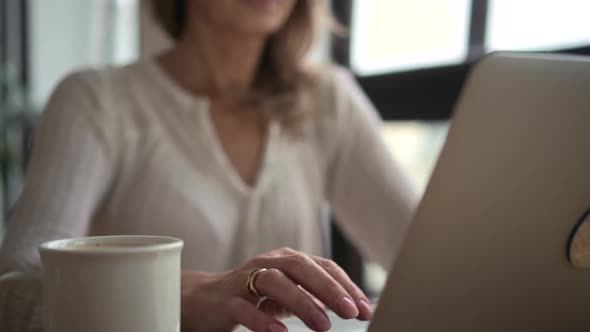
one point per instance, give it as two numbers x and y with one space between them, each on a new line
262 5
265 16
259 27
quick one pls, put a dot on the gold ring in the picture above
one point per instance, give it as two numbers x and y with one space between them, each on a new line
251 285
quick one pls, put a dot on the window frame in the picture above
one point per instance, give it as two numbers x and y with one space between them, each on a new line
422 94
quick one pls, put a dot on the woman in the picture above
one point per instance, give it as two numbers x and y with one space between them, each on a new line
231 142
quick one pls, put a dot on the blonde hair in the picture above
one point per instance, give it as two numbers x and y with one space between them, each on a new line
282 87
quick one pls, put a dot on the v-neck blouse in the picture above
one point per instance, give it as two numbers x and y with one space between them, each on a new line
126 151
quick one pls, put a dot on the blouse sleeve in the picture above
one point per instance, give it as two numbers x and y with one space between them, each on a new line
69 173
371 197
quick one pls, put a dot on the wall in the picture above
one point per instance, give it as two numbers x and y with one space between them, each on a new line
66 35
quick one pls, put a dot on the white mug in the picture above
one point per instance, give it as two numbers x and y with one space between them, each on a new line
112 283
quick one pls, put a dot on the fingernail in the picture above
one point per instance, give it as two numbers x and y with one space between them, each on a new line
366 312
347 308
320 320
274 327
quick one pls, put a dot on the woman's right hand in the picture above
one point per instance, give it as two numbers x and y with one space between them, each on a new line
292 283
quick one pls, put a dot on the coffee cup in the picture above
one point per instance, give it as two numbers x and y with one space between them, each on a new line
112 283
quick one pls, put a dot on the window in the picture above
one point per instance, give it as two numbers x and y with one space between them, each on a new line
125 37
398 35
537 24
416 145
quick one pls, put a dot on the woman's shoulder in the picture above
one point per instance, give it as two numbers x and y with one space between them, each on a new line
109 94
102 97
99 82
333 87
337 94
340 104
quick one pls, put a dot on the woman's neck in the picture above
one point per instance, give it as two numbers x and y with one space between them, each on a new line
214 63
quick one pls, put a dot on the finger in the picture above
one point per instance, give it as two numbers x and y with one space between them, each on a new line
336 272
315 279
274 309
315 299
245 313
282 290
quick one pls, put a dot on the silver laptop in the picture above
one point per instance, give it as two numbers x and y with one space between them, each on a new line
488 249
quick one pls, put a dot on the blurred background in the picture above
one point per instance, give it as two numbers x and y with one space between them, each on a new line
410 56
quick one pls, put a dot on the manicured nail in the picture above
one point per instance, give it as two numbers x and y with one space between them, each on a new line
347 308
366 312
274 327
320 320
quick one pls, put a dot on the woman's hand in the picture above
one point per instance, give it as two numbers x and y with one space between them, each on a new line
292 283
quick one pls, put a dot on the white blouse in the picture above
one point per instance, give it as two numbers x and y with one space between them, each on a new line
127 151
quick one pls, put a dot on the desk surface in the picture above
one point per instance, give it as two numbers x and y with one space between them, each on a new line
338 325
